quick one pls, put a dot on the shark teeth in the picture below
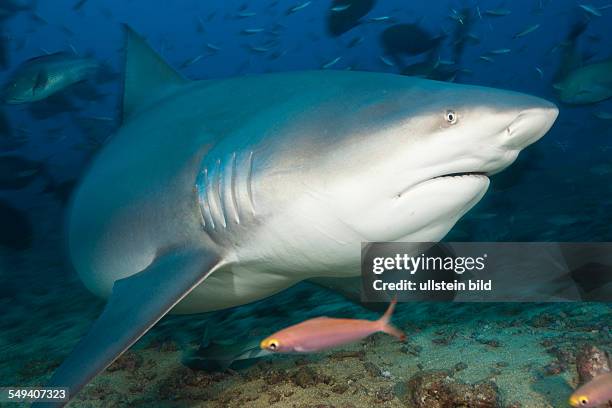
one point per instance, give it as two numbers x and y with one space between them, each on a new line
463 174
476 174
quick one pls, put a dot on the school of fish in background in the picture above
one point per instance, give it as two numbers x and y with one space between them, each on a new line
50 124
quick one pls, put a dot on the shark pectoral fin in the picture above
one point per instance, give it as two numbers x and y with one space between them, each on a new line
135 305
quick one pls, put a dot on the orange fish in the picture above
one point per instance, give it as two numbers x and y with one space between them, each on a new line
596 392
323 333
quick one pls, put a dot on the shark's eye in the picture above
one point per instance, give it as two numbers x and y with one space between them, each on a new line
451 117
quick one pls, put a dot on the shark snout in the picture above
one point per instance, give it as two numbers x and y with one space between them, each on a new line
530 125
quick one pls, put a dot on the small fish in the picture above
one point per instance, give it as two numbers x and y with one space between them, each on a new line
251 31
455 15
592 10
102 118
379 19
331 63
191 61
345 19
526 31
299 7
487 59
261 50
323 333
339 9
213 47
603 115
497 12
473 38
596 392
540 72
500 51
386 61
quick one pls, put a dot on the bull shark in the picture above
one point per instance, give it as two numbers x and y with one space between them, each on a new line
216 193
587 84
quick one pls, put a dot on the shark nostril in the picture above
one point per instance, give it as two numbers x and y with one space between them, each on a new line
529 125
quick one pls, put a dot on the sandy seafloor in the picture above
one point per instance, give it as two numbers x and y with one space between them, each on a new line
527 350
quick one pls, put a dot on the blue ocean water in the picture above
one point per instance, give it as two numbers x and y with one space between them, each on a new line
577 146
558 190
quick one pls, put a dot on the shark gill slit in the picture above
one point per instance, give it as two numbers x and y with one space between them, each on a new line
219 193
249 182
233 192
200 198
211 194
207 207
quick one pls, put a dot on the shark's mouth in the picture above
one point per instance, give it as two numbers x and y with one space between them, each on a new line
462 174
465 175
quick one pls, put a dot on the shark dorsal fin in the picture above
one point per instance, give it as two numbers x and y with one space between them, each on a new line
146 73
